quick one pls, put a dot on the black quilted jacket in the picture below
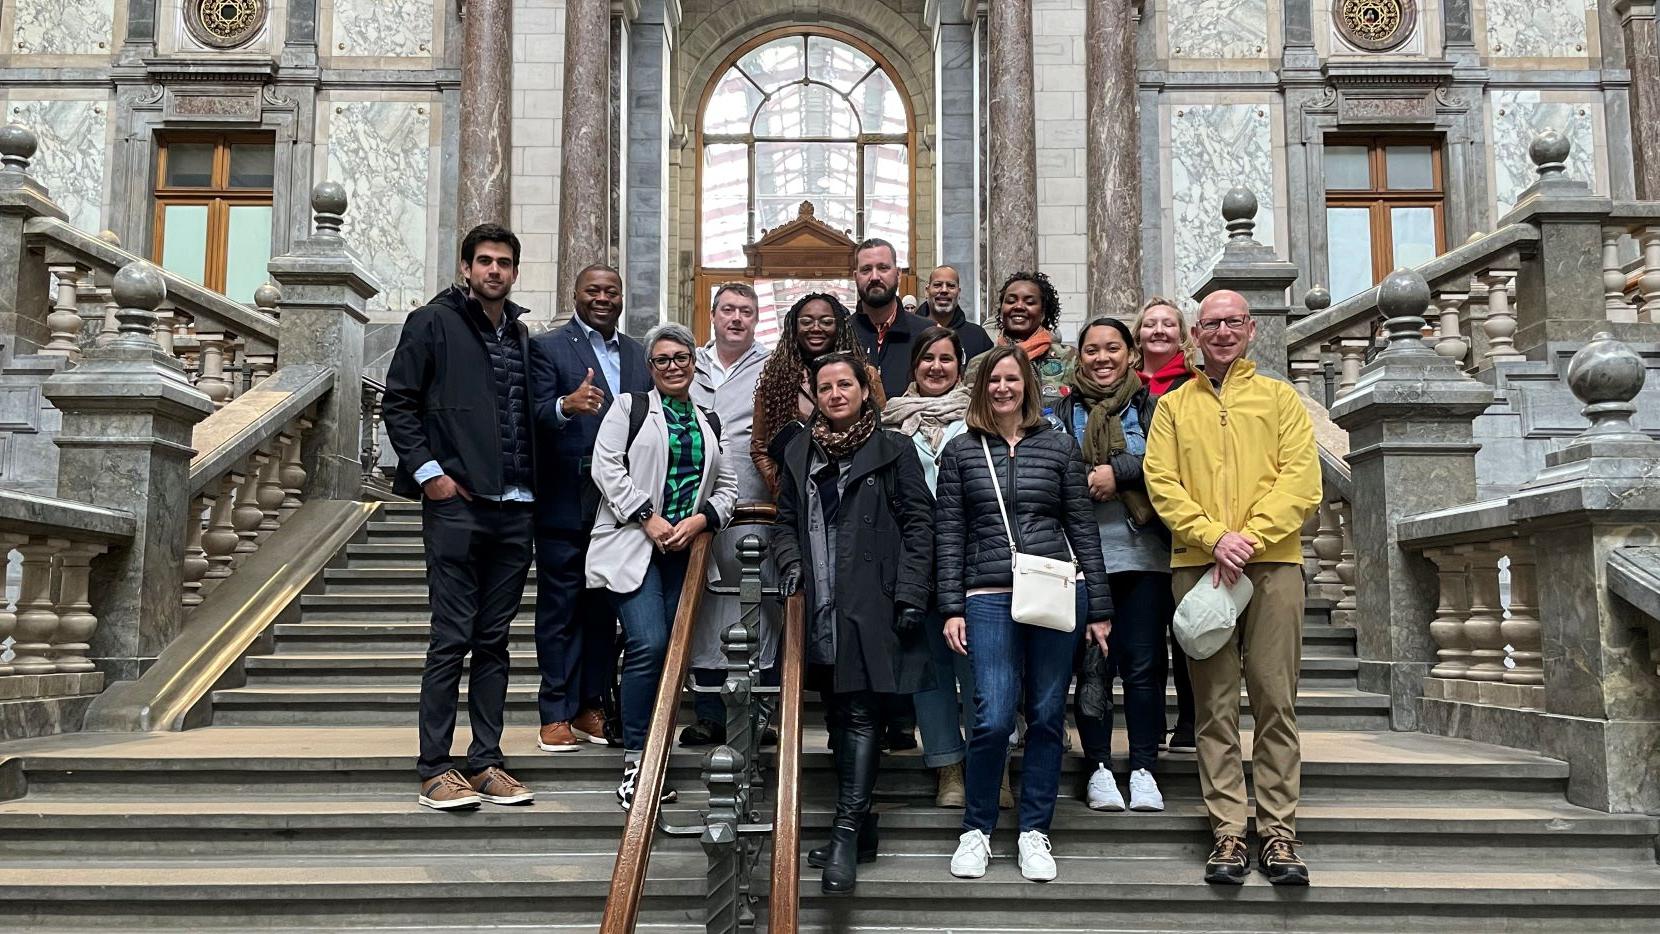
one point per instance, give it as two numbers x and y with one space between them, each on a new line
1048 503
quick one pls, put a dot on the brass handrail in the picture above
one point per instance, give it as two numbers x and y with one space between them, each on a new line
628 877
786 827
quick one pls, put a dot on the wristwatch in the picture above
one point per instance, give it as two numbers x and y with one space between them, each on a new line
645 512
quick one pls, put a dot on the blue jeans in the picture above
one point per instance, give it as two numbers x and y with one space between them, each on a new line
942 712
1011 659
647 614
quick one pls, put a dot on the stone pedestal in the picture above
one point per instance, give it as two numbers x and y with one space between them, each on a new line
128 414
585 145
1011 187
1256 272
1642 56
1114 160
23 281
1410 451
486 150
325 293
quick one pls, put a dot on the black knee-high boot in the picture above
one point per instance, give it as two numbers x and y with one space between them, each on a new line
856 761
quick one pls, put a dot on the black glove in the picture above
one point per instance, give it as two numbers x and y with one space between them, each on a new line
789 580
907 624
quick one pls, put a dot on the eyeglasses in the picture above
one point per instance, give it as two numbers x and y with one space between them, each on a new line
1236 323
666 361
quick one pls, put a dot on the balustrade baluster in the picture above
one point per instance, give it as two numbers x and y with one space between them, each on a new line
195 556
270 495
247 515
165 314
90 310
293 468
1352 351
1452 648
212 381
1500 325
1450 343
37 613
1483 626
236 365
64 319
1648 284
220 539
1522 629
76 622
1328 545
1345 569
1305 369
1615 305
1311 559
260 366
111 327
8 618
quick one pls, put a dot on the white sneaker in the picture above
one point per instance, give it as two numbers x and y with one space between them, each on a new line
1103 791
974 852
1036 863
1144 792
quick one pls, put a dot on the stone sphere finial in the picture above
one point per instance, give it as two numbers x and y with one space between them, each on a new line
1606 375
1317 299
17 147
1402 299
328 203
1549 152
138 288
110 237
266 297
1239 210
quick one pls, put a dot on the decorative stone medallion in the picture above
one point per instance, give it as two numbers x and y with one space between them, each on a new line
225 24
1375 25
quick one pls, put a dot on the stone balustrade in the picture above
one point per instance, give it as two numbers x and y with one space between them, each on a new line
374 391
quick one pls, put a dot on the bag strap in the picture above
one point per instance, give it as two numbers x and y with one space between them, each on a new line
998 489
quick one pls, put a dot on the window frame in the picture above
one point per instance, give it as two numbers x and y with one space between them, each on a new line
217 195
1379 199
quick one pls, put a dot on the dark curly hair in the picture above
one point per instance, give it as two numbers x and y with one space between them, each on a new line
1046 292
780 381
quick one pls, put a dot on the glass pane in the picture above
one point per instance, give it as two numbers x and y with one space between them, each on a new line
1409 168
888 197
189 165
247 250
777 295
806 110
732 105
836 63
1413 233
1349 250
788 173
251 165
184 240
1347 168
725 204
881 110
775 64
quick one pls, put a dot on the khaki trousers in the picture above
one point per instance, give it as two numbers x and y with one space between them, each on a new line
1270 644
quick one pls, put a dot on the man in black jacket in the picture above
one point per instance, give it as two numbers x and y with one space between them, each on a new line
458 411
944 291
884 328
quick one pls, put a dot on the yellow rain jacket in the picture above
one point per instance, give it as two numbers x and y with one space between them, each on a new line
1243 460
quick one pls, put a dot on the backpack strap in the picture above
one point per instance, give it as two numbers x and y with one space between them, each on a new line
639 406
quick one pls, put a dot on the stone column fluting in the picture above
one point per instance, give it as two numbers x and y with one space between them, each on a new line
1642 56
1114 157
585 147
1011 221
486 149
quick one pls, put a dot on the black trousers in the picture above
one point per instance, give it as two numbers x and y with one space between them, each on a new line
478 554
576 630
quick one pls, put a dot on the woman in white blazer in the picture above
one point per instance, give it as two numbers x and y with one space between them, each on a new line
663 478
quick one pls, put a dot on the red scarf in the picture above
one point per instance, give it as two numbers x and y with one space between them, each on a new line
1159 383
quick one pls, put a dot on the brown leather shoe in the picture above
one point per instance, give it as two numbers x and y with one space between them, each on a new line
558 737
448 792
590 725
497 787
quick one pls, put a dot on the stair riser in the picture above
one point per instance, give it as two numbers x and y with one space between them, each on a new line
524 666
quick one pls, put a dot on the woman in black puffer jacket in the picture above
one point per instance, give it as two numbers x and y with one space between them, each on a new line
1041 473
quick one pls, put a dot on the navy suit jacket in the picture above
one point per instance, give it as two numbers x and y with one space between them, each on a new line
559 359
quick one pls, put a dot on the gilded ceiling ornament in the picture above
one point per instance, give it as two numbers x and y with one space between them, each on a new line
225 24
1375 25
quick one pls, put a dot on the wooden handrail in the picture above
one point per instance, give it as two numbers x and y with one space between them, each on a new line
786 824
628 877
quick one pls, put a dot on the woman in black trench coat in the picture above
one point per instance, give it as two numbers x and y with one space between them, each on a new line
855 533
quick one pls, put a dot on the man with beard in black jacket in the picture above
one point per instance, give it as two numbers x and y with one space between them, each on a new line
458 411
944 291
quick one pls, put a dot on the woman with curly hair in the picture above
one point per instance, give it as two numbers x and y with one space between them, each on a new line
1028 312
818 324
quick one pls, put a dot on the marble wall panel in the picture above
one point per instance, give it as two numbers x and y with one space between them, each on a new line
1212 148
1539 28
1217 28
70 160
382 152
382 28
1519 116
53 27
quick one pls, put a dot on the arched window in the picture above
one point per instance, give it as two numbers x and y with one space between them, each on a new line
792 117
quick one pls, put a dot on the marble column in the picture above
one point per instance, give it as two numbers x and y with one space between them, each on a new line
1642 56
585 145
486 113
955 159
1114 157
1011 220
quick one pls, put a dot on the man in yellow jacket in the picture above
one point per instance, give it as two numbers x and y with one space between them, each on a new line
1232 469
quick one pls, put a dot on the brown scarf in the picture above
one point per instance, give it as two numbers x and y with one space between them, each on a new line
1104 430
840 444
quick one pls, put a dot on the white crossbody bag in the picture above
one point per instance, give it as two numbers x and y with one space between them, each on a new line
1045 591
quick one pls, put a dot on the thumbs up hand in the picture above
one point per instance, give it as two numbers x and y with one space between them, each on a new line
586 399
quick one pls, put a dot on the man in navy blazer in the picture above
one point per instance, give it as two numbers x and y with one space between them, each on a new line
576 372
